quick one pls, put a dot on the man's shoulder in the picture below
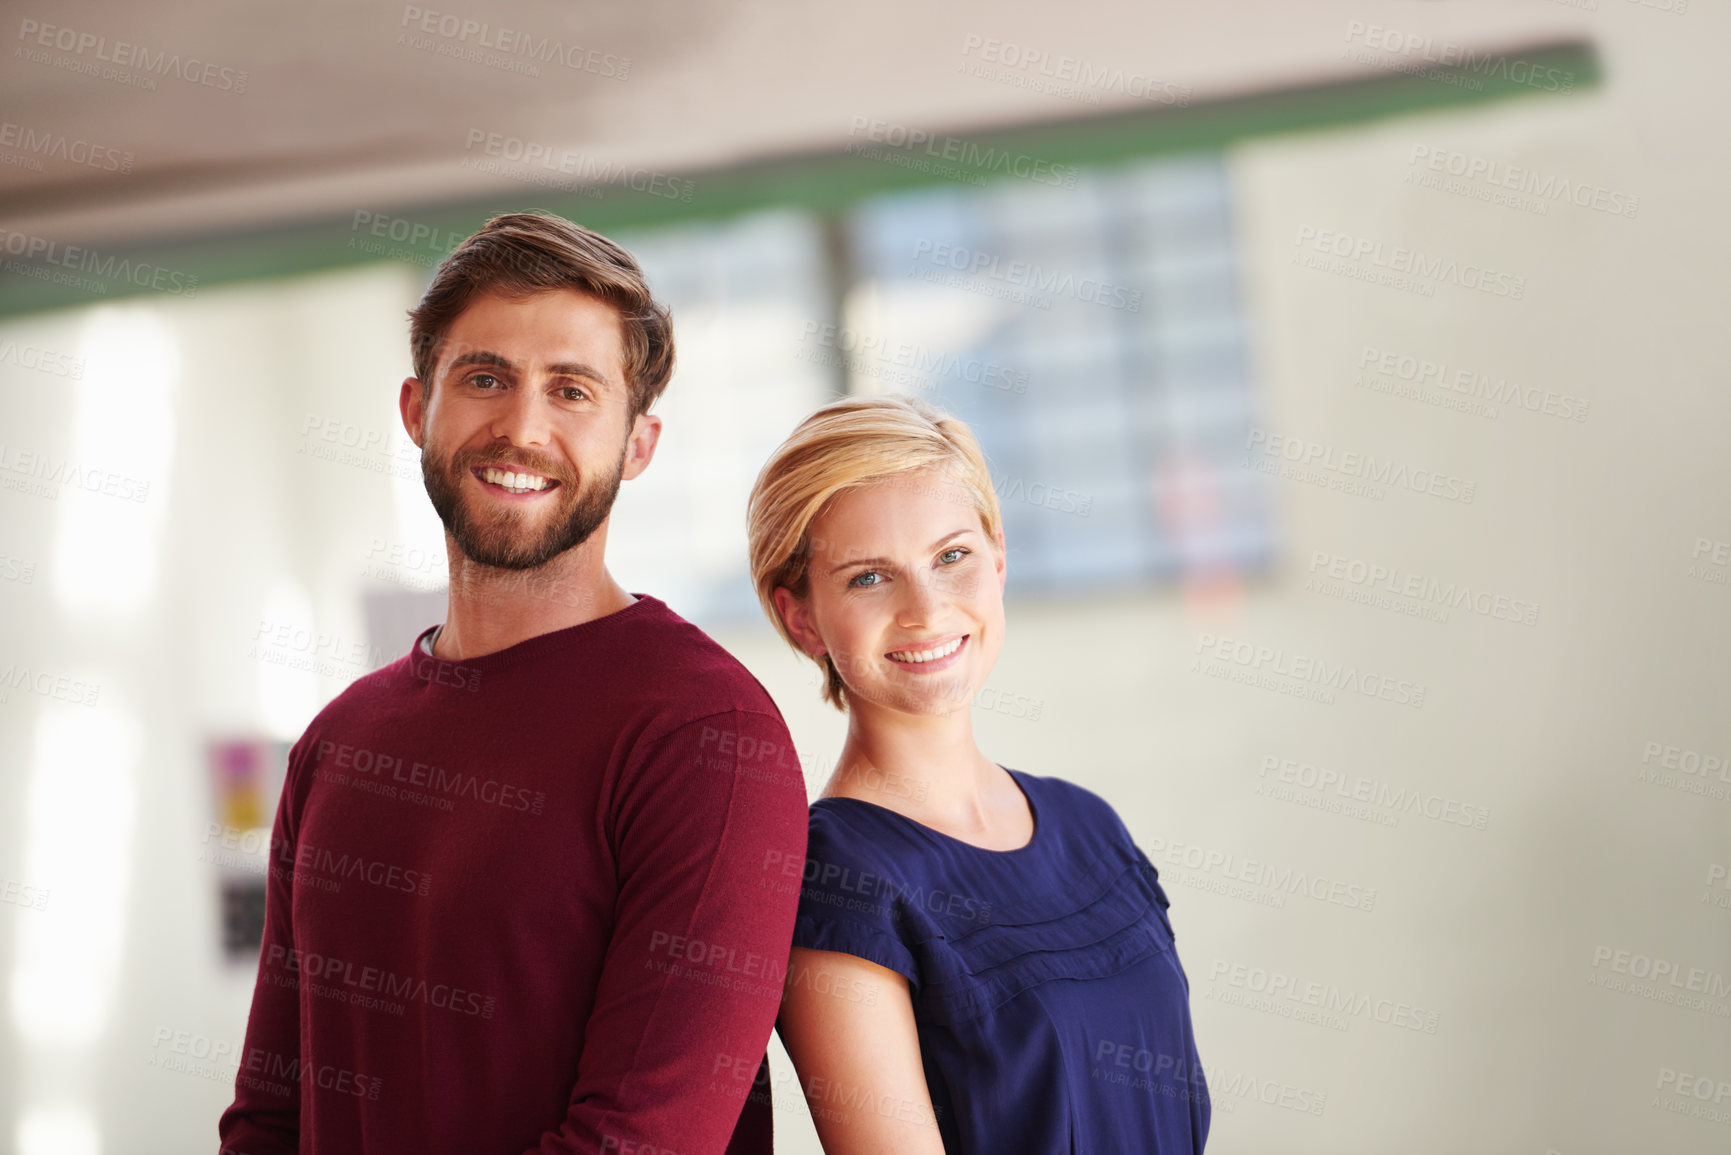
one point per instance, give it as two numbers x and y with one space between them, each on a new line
365 691
696 709
693 674
361 699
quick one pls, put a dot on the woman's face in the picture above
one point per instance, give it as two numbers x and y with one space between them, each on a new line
905 594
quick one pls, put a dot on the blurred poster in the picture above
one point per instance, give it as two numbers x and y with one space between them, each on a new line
246 776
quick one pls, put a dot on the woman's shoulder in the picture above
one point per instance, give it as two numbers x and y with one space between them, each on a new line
1071 798
1080 825
848 831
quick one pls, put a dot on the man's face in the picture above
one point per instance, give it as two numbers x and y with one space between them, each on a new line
527 434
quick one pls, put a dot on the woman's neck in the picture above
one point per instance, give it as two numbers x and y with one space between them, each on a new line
929 768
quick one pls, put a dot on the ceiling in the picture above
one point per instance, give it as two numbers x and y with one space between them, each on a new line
351 105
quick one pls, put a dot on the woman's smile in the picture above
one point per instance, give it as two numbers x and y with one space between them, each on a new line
928 657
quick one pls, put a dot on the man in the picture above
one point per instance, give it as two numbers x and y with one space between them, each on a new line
530 883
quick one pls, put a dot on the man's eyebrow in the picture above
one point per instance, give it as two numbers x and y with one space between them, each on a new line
579 369
561 369
875 561
482 357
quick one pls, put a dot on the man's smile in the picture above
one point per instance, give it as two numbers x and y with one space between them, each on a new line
515 481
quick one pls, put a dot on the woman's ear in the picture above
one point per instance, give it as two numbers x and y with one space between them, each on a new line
998 561
798 622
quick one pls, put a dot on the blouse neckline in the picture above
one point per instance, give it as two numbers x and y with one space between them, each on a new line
931 832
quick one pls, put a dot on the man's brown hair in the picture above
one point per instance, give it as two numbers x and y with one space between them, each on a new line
516 254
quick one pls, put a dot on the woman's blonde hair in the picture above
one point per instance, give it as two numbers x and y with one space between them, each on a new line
846 444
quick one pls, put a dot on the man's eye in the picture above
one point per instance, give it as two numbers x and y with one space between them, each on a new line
483 380
870 577
573 393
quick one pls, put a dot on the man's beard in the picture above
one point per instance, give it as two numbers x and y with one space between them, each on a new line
502 538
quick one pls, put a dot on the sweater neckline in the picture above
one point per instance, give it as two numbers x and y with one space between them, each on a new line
540 643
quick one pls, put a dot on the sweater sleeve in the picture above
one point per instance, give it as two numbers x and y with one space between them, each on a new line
264 1118
708 826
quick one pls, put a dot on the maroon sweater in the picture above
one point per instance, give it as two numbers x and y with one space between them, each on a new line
538 900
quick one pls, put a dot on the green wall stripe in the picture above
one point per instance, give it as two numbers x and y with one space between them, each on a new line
821 182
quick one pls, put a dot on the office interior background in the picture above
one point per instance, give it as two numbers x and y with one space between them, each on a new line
1352 373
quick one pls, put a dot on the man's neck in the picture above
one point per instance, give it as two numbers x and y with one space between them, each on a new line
491 609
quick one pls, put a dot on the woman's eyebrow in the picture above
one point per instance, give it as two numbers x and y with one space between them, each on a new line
948 537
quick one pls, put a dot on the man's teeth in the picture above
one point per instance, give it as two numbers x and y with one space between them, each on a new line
515 482
942 651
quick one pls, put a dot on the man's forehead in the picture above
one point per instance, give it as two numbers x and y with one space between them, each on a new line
539 316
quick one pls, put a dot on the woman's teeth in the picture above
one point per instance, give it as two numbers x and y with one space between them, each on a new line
515 482
942 651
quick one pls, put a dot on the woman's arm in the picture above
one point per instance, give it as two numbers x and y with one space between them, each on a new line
848 1025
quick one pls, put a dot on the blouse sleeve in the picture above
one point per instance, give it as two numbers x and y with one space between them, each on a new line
1153 874
847 903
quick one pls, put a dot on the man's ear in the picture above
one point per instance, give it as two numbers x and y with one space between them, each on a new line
798 621
412 402
640 446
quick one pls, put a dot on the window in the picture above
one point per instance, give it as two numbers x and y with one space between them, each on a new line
1094 339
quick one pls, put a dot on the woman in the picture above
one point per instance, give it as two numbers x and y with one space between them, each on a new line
982 961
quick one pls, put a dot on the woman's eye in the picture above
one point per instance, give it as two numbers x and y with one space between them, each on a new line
870 577
952 555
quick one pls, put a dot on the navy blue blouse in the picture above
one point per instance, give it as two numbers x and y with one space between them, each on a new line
1052 1011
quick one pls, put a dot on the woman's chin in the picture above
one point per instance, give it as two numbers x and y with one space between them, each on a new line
935 697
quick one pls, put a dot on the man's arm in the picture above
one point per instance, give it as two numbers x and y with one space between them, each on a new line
261 1120
705 825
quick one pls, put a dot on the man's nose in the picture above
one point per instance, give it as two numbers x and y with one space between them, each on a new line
521 418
